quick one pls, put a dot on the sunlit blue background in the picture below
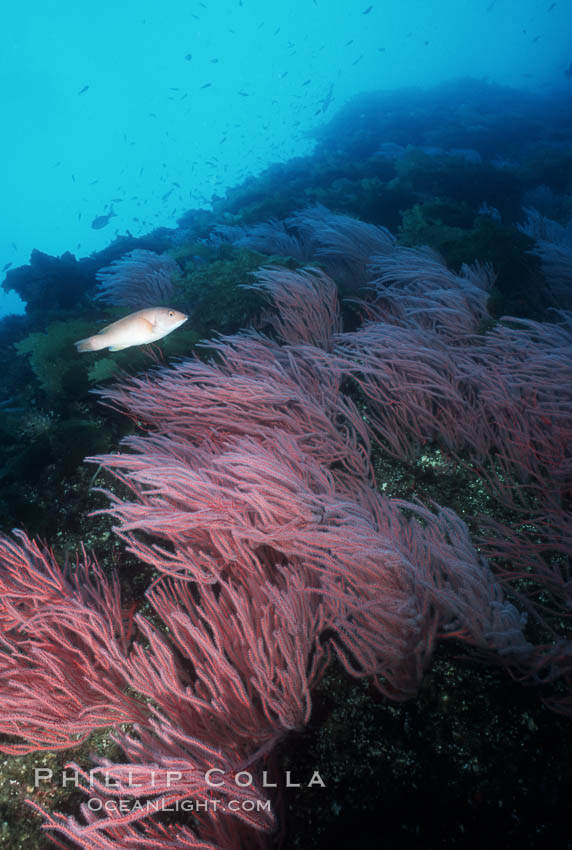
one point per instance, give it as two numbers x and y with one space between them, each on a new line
204 93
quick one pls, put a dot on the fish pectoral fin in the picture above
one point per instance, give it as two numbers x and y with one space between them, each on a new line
118 347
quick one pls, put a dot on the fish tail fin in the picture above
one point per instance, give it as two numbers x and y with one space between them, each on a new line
91 343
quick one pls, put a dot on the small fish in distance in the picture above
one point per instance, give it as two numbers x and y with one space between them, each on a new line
138 328
102 220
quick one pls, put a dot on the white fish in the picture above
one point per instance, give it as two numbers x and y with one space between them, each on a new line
138 328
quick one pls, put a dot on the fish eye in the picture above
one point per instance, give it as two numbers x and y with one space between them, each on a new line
171 313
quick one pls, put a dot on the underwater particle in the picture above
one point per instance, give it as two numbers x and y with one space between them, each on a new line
367 11
188 57
138 328
84 89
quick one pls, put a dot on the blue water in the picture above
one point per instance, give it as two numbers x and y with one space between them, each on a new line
149 109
